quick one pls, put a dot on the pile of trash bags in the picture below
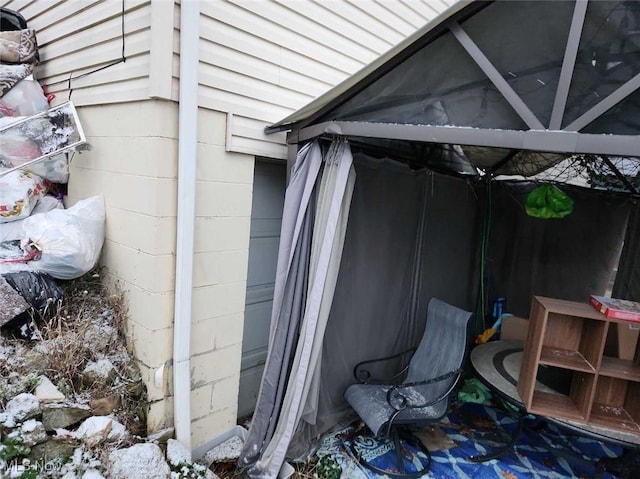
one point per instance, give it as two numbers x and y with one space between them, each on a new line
40 241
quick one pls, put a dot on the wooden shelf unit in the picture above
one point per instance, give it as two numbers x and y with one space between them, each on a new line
571 336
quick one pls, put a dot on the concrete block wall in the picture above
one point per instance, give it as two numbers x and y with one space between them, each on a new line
133 163
223 215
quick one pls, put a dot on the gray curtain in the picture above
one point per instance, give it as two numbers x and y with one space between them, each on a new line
627 283
289 299
410 237
302 302
568 258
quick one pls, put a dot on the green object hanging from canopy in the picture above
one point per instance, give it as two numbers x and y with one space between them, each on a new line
548 201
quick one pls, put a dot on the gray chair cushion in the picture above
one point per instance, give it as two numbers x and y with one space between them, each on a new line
370 402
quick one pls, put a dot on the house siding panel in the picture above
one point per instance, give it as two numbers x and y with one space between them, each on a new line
262 60
75 38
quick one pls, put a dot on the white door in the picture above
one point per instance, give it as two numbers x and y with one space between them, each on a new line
266 217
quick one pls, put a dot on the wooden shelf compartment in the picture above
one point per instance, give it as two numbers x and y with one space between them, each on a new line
574 406
600 360
573 333
620 368
561 406
617 405
565 358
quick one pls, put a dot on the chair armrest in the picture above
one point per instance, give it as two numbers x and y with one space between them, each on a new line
399 401
363 375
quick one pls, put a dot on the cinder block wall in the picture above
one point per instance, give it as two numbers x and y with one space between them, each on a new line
133 163
223 216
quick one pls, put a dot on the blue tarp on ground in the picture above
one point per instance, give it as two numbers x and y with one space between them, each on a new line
475 429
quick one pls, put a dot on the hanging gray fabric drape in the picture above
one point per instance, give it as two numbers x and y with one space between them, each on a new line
288 300
627 283
411 236
312 237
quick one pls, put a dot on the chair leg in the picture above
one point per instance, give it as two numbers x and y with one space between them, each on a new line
398 447
396 437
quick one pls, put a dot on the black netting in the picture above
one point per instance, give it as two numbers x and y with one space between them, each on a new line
593 171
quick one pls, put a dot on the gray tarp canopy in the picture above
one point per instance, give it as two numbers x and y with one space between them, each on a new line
545 90
518 86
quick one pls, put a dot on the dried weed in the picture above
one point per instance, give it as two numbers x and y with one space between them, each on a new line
89 325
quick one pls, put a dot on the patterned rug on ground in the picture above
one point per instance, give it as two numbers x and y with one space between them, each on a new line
471 430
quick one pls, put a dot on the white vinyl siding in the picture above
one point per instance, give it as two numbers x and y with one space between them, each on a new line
263 59
78 36
260 60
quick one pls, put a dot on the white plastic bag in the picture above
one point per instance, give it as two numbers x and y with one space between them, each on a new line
70 240
12 231
26 98
19 194
54 169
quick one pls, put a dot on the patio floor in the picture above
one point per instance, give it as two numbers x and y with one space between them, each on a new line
472 429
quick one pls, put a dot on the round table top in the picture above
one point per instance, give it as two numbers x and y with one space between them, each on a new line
497 364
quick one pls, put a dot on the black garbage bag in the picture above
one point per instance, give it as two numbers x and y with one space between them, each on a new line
10 20
41 293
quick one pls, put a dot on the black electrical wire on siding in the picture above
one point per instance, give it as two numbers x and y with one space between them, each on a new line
122 59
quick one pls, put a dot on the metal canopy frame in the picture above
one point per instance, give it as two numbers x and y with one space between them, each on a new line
551 138
568 63
552 141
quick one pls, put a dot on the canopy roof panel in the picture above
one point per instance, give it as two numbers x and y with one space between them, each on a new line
554 78
526 56
608 55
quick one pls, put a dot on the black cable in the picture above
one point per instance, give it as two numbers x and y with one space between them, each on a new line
122 59
483 297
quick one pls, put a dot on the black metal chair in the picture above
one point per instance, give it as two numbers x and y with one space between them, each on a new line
422 396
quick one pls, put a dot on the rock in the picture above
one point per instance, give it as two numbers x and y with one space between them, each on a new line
54 447
141 461
135 386
12 302
104 406
161 436
177 452
118 432
34 360
7 420
92 474
32 432
228 450
98 337
46 392
23 406
56 417
133 372
101 371
94 430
